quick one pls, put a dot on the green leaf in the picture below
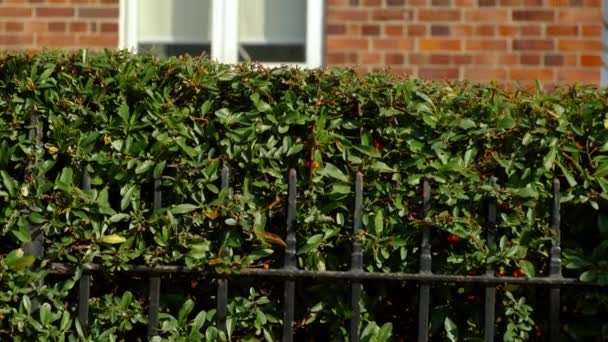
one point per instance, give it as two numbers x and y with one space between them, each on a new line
527 267
506 122
183 208
9 183
119 217
27 304
126 198
368 150
602 170
184 311
382 167
24 262
569 177
588 276
451 330
332 171
550 158
143 167
113 239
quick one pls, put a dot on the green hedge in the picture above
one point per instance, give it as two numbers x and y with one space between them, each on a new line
130 119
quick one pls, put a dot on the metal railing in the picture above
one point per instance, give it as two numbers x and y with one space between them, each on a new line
289 271
355 275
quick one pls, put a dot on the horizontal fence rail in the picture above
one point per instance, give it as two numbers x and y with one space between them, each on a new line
356 275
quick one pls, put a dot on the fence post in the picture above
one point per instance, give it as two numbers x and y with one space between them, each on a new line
222 283
356 264
84 283
154 280
490 295
290 260
425 267
555 264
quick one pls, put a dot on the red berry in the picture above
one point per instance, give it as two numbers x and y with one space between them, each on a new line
453 238
377 145
501 273
515 274
308 164
521 272
471 298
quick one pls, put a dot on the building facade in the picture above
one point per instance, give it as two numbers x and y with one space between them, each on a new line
555 41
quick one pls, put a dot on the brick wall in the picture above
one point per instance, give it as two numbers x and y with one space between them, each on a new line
555 41
34 24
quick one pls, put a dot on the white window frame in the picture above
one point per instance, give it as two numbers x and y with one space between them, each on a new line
225 31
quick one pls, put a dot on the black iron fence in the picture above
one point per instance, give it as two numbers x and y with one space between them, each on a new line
355 275
289 272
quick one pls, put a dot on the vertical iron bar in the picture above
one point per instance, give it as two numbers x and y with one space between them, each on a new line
222 284
490 295
555 264
290 260
425 268
84 283
35 247
356 263
155 279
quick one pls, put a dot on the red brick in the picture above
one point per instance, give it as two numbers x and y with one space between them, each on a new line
13 12
78 26
511 2
419 58
533 3
461 30
485 74
416 30
534 30
54 12
486 45
592 30
580 15
57 27
438 73
394 58
341 15
336 29
15 40
391 15
109 27
110 41
441 3
370 30
593 3
533 15
591 60
554 60
440 59
578 75
12 26
370 58
507 30
393 30
491 15
439 44
533 44
395 2
393 44
347 43
56 40
580 45
528 59
462 59
485 30
98 12
464 3
440 30
372 3
336 58
562 30
531 74
487 3
435 15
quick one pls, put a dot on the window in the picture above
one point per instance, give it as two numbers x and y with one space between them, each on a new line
266 31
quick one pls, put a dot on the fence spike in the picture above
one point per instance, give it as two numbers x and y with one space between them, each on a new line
84 283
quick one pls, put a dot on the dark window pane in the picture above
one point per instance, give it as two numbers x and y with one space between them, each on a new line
166 50
287 53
